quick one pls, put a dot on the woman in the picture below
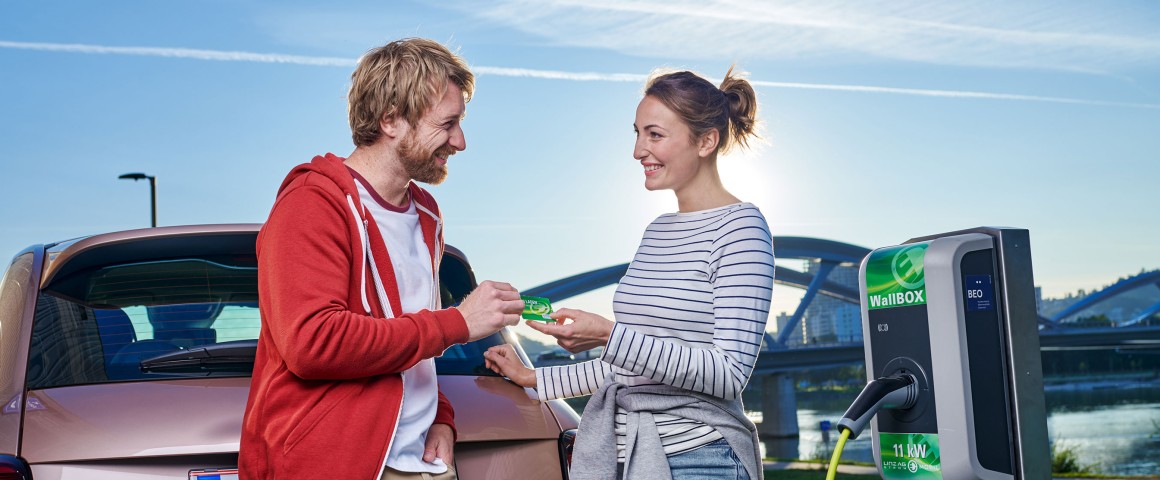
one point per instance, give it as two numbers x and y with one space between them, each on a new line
690 311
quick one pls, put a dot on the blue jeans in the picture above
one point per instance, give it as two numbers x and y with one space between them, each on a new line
716 460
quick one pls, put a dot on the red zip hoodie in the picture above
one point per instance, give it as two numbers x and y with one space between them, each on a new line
327 384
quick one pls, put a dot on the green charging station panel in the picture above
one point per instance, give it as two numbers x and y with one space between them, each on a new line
957 311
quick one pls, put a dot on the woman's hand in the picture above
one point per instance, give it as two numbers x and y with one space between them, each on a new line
502 359
585 331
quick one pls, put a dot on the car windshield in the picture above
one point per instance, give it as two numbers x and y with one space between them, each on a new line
99 324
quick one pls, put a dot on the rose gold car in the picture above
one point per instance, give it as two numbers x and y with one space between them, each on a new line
127 356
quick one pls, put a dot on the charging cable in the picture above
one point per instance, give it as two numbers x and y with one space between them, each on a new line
837 454
898 391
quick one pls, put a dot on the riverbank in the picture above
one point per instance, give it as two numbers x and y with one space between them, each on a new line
1105 381
781 470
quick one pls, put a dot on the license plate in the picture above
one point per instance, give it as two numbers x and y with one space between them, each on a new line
214 474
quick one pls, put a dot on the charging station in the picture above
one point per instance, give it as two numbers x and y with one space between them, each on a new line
950 326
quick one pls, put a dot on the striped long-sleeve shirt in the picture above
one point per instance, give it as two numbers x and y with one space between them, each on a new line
690 313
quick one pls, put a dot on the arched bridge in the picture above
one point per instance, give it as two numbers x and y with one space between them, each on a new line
1119 288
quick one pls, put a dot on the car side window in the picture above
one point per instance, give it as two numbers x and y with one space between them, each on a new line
67 349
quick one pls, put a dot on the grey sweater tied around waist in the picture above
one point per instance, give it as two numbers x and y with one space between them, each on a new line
594 456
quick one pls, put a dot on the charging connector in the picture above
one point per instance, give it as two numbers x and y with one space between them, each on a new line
898 391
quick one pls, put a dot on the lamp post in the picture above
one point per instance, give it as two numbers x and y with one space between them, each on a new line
152 190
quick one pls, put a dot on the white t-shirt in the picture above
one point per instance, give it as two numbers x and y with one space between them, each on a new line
412 263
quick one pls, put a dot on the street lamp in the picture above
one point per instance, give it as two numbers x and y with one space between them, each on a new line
152 190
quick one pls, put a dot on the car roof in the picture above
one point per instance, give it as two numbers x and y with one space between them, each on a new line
69 256
76 254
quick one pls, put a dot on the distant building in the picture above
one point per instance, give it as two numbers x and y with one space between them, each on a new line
795 338
829 320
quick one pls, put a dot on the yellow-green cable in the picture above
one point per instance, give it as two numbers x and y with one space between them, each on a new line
837 454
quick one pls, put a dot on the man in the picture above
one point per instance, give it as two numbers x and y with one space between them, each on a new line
344 381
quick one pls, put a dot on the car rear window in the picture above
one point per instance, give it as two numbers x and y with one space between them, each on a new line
99 324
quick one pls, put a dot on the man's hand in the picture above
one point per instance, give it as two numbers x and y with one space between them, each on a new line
585 331
502 359
490 307
440 444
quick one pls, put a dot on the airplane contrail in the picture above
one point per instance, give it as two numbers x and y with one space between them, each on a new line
183 53
950 94
233 56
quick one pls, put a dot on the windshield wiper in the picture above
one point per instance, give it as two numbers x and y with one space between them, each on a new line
227 357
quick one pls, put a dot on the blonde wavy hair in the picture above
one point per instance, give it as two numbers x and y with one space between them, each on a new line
402 79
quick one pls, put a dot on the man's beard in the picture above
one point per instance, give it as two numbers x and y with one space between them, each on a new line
420 164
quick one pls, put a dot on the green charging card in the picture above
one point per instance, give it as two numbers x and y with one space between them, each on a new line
536 308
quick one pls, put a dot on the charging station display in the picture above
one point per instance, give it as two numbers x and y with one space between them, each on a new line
978 293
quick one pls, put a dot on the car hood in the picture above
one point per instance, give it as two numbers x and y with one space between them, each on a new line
204 416
492 408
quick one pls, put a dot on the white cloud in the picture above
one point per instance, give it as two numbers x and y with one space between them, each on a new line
559 75
234 56
950 94
183 53
1085 36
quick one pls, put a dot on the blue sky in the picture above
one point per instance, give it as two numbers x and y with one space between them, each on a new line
882 120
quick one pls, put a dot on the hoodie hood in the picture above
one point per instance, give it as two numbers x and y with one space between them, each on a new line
330 166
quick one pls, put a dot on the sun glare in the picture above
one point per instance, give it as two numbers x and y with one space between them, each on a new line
749 175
